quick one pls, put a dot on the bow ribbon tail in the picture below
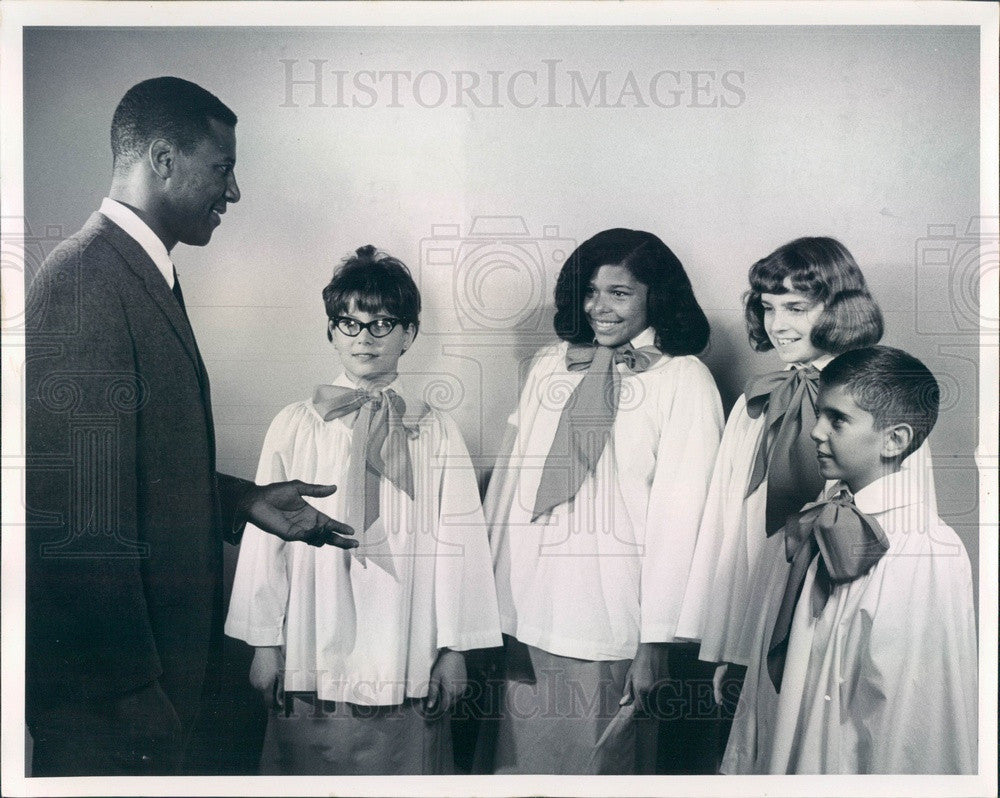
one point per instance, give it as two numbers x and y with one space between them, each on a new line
777 649
770 395
376 543
848 542
356 495
785 454
581 435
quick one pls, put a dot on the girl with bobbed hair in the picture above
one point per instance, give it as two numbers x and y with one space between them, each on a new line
808 301
674 314
359 654
823 270
593 509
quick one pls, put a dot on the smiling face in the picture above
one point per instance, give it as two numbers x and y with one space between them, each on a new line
369 361
788 321
615 305
201 184
849 447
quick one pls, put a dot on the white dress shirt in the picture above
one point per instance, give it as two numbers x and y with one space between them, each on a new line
129 221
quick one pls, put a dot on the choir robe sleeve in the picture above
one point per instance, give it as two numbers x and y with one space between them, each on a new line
260 589
712 533
914 708
465 602
691 427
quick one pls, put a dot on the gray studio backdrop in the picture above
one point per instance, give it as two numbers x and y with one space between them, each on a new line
481 156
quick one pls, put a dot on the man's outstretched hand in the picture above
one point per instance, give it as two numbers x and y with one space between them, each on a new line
279 508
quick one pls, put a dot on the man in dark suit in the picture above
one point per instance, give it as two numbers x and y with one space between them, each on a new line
126 512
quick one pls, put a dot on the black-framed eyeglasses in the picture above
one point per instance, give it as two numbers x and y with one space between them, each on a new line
379 328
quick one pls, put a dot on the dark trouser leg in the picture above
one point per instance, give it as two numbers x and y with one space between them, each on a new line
689 718
732 684
79 739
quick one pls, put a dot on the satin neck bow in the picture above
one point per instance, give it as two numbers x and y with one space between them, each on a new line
379 448
586 420
785 454
849 544
580 356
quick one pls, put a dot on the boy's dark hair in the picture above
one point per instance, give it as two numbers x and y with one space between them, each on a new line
892 385
823 270
170 108
376 282
672 310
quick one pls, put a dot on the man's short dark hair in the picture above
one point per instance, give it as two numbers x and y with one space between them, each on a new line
892 385
169 108
376 282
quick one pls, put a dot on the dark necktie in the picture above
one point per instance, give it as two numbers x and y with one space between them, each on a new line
786 454
849 544
586 420
178 294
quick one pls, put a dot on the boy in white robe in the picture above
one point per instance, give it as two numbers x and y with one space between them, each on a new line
866 660
361 649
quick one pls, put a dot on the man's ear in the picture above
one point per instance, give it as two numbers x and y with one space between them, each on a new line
896 440
161 157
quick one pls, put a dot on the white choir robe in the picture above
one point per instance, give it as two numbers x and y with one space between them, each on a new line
353 633
733 544
884 679
606 570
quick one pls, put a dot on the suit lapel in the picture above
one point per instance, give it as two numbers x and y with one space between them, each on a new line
143 267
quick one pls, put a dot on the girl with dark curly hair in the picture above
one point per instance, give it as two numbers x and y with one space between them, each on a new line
594 509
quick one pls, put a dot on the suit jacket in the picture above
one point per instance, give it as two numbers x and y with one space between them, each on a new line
126 514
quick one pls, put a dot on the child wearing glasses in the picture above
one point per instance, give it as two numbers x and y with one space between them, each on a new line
359 651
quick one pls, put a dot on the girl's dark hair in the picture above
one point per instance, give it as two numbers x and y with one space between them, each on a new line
673 312
376 282
823 270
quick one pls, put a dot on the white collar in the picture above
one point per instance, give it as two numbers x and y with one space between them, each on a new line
129 221
646 338
397 385
819 363
891 492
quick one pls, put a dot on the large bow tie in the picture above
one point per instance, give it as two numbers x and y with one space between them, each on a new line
378 448
586 420
785 454
849 544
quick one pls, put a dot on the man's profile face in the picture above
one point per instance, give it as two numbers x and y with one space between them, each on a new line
202 184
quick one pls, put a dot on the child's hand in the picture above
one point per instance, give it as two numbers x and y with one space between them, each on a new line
268 663
448 682
717 677
643 673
